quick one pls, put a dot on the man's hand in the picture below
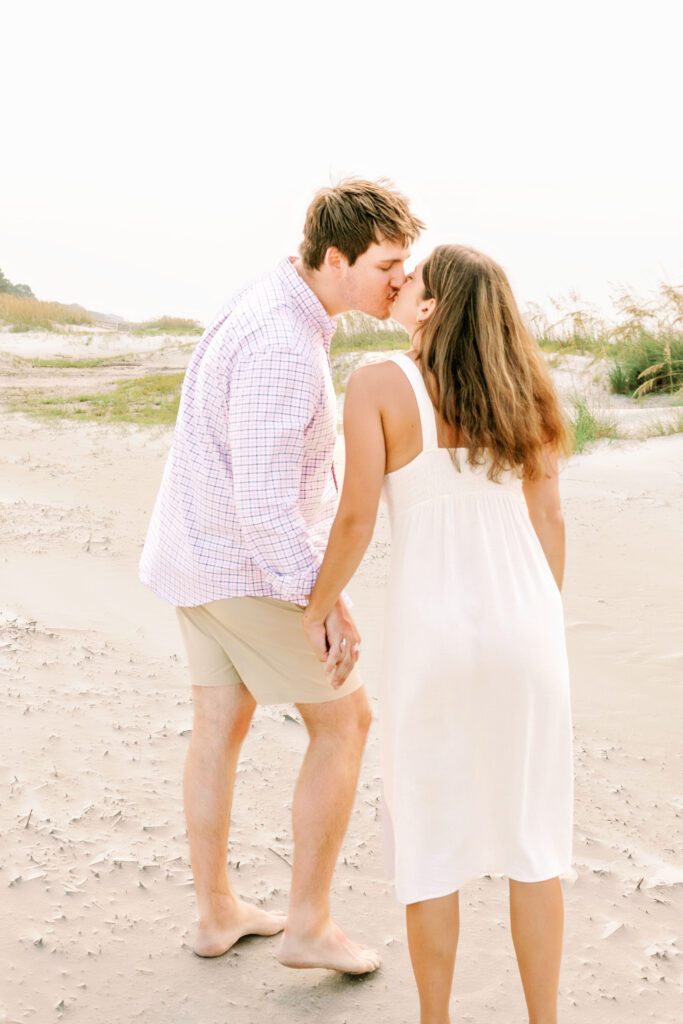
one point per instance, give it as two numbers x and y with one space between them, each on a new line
335 641
344 644
317 637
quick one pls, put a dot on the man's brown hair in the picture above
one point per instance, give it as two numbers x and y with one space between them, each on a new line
351 216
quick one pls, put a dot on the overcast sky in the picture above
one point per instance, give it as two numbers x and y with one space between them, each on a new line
157 155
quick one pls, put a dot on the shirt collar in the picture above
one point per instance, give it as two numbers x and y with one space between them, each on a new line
307 302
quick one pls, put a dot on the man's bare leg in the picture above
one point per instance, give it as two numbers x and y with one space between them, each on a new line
433 929
221 720
322 806
536 919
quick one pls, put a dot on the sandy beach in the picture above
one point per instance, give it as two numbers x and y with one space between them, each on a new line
97 900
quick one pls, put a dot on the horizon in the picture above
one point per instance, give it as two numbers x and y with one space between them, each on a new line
561 304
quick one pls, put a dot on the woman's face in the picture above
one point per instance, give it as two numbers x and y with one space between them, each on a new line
411 307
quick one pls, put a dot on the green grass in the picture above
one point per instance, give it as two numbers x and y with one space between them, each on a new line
664 428
575 344
63 362
648 364
644 342
589 427
148 401
169 325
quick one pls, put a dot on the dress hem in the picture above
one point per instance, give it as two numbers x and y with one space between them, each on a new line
444 890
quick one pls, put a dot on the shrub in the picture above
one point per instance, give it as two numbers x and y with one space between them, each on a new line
6 287
645 340
618 383
649 363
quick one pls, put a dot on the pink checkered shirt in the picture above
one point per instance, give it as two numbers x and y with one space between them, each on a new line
248 494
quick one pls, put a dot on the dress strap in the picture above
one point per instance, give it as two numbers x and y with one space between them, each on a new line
424 402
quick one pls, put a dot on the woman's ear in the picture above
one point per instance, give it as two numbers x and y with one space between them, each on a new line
425 310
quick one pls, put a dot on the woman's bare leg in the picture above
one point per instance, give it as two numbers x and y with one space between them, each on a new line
536 920
433 929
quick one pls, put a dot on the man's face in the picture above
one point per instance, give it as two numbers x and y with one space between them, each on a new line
374 280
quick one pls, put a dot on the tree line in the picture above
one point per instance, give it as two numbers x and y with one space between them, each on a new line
7 288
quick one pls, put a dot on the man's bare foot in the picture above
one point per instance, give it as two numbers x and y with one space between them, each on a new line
330 949
242 919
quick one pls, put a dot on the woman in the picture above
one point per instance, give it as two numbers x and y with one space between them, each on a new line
464 433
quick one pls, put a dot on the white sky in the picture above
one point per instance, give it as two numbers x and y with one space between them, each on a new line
157 155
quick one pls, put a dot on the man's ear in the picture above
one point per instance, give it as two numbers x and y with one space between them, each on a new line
427 307
334 259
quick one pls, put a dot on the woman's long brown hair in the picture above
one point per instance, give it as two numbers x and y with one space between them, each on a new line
483 369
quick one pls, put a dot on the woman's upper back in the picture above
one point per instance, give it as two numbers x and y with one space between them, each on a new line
424 457
405 406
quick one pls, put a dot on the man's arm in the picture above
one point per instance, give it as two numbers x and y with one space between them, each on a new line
273 395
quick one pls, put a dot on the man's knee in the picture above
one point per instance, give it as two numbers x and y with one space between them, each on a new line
364 715
223 712
345 721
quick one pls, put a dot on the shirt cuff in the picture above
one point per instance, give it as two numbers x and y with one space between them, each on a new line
295 587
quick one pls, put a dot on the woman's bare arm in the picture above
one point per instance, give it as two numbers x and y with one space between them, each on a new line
545 511
355 520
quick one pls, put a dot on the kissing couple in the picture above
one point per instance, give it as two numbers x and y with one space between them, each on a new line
251 543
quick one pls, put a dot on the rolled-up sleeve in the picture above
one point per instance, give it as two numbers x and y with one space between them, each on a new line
273 397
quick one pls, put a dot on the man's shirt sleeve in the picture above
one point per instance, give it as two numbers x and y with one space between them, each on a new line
273 396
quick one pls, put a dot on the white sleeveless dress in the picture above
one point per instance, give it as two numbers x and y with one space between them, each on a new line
475 713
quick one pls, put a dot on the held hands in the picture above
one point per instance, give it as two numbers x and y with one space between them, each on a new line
336 641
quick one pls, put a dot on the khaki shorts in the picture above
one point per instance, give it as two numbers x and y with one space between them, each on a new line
260 642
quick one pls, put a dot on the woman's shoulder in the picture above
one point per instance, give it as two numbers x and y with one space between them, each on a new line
375 375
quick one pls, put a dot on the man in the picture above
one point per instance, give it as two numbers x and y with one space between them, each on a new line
236 542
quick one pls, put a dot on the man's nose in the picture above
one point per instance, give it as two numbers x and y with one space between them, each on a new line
398 278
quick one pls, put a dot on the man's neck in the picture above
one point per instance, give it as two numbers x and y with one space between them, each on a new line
322 291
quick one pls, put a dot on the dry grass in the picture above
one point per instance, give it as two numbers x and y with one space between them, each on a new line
358 332
25 313
644 341
169 325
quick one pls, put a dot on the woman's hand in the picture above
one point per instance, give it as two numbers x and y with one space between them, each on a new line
330 629
336 641
344 644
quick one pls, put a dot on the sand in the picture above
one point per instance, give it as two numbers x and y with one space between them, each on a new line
97 900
